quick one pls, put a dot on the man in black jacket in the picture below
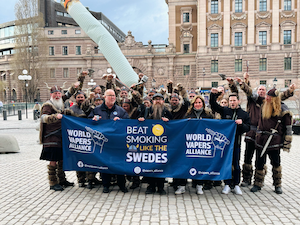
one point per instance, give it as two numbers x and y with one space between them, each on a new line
241 118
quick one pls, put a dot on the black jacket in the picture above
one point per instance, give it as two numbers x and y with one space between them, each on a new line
232 114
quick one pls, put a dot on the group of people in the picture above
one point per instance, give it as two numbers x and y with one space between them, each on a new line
267 124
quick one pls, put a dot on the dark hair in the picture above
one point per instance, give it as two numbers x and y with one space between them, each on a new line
234 94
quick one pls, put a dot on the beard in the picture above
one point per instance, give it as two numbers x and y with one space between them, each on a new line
267 110
157 111
58 103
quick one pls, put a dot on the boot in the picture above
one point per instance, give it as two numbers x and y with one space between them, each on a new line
259 177
135 182
247 175
62 176
53 179
277 175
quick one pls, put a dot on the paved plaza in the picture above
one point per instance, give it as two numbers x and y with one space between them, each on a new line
26 198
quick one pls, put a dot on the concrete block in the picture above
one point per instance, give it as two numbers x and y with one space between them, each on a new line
8 143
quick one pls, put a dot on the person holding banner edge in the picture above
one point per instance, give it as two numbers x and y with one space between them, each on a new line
241 118
110 111
51 138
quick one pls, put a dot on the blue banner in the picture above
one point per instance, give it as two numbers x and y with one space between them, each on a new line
189 148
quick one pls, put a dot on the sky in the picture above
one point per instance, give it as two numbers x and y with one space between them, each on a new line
146 19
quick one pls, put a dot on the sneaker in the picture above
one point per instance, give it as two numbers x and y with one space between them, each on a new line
255 188
237 190
226 190
180 190
278 190
199 190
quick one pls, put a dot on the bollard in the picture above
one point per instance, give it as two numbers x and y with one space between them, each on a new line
4 114
19 114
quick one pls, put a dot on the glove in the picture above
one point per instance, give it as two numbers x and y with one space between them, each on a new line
287 143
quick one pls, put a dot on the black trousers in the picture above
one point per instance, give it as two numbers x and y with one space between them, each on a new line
274 156
106 180
249 152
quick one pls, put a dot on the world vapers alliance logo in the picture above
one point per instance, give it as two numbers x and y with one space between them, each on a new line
218 140
97 137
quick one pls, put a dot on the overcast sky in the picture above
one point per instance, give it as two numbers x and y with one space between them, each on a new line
147 19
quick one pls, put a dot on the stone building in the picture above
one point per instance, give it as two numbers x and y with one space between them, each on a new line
206 38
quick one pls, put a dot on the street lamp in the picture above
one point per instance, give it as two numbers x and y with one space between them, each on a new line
153 83
275 82
25 77
203 70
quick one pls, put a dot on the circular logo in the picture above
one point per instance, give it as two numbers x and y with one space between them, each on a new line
80 164
157 130
115 113
193 171
137 170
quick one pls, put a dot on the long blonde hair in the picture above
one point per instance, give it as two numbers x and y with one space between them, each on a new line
272 108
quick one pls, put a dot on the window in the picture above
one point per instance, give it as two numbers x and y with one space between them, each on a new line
262 5
79 70
52 73
186 17
238 65
238 6
214 66
263 37
59 13
214 40
64 32
238 38
78 50
263 64
77 31
186 70
65 50
50 32
51 50
186 48
214 84
287 37
66 72
287 83
263 82
287 63
214 7
287 5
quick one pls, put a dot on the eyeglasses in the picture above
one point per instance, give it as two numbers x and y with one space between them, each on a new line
111 95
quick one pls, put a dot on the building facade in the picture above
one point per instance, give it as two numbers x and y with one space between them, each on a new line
206 38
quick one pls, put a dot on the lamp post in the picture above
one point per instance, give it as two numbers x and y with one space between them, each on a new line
25 77
203 70
275 82
153 83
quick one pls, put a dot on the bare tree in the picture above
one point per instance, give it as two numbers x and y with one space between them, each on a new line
30 45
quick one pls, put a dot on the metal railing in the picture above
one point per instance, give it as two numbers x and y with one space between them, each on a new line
13 108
